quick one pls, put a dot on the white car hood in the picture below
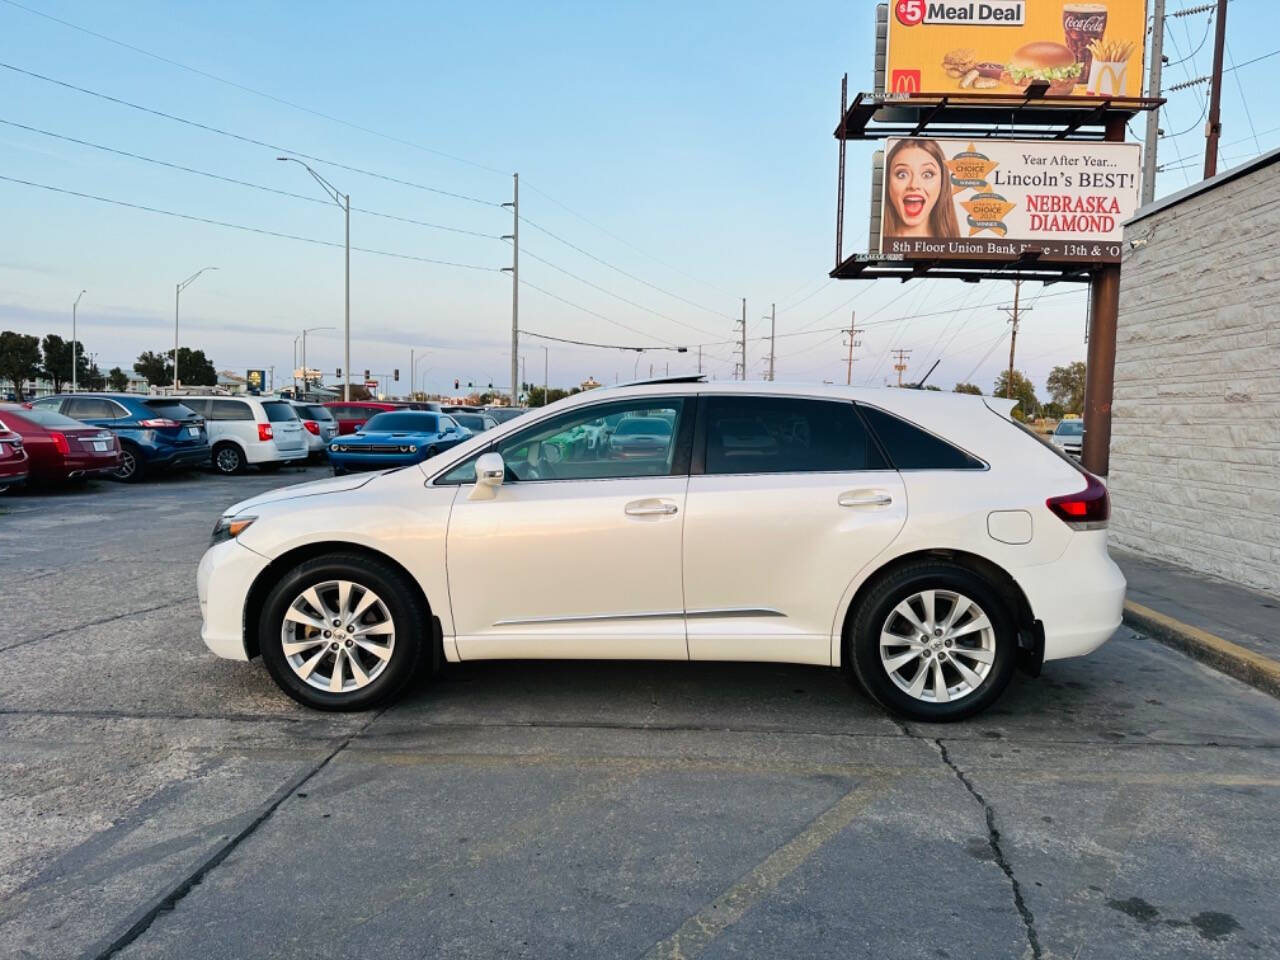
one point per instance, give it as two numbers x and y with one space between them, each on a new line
313 489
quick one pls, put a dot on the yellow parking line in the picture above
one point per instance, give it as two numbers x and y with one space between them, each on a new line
1240 662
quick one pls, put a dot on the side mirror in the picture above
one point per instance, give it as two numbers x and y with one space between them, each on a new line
490 472
451 429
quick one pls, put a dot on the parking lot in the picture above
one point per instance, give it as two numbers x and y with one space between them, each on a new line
158 802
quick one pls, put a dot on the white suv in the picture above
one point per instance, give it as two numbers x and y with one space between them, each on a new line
923 542
243 431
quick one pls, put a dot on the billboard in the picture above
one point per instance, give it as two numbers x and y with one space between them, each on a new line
1005 46
1002 199
255 380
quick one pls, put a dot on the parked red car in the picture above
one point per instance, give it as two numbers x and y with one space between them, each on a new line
61 448
14 462
352 414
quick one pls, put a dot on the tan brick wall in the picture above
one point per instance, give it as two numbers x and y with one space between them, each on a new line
1195 447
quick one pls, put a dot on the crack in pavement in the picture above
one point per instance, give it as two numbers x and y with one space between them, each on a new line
993 839
96 623
168 901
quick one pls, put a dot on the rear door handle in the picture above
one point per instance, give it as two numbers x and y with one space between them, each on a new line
865 498
650 508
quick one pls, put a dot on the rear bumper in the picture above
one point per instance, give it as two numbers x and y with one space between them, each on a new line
177 458
269 451
1079 598
226 572
12 479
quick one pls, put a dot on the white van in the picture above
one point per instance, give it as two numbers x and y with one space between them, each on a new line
264 432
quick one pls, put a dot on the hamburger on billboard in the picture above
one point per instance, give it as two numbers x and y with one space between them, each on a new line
1003 199
1076 49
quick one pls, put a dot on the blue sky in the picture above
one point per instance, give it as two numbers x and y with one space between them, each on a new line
687 145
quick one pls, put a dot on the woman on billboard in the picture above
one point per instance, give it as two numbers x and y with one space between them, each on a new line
919 192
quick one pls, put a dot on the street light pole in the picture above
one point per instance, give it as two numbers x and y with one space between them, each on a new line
306 380
74 384
343 200
177 294
546 378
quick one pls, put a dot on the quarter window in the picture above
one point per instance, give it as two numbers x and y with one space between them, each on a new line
786 435
911 448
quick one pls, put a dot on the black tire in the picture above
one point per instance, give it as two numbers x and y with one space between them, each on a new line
132 467
227 459
431 452
862 645
339 471
412 654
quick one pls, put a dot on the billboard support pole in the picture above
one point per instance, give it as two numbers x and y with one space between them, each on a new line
1153 116
1214 130
1100 363
844 106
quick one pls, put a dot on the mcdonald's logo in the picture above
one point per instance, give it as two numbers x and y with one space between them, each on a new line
905 81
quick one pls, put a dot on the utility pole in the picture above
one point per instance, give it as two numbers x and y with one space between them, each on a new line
1153 116
744 339
411 374
773 333
853 332
546 377
271 379
699 358
514 270
901 365
1015 314
74 381
1213 131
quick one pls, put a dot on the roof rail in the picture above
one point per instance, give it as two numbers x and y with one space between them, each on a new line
685 378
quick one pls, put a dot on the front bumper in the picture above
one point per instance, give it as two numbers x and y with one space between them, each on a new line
354 462
226 572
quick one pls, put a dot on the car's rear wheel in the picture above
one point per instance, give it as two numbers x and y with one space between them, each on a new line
131 469
227 459
344 632
934 642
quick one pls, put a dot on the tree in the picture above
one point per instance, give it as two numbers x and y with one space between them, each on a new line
154 368
1052 410
972 388
536 399
194 368
1066 386
1023 391
92 378
19 359
117 380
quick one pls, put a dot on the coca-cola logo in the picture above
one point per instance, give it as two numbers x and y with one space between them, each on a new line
1094 23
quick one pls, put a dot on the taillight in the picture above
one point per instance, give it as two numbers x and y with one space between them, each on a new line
158 423
1090 509
60 443
264 431
312 427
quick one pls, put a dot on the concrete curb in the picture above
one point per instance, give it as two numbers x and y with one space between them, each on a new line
1231 658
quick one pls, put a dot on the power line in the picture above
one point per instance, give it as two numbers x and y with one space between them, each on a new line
594 313
616 296
630 276
237 182
246 139
602 346
240 226
255 92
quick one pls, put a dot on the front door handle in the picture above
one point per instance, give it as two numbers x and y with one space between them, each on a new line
650 508
865 498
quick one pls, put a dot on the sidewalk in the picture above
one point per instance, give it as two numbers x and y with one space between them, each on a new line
1231 628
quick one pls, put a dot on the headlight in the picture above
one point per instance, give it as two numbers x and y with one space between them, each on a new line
228 528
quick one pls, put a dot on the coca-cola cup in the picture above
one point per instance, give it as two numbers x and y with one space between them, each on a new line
1083 23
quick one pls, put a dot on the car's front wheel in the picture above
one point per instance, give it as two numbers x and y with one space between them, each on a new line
344 632
934 641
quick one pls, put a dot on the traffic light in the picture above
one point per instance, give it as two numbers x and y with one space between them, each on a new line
366 374
455 383
470 384
339 373
397 374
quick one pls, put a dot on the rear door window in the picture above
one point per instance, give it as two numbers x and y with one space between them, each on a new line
231 410
785 435
913 448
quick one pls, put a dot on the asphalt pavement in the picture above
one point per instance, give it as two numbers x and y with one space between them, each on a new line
158 802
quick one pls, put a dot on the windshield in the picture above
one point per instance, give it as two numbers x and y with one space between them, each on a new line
1070 428
404 423
279 411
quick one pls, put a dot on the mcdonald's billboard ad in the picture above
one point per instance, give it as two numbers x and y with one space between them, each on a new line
1066 201
1006 46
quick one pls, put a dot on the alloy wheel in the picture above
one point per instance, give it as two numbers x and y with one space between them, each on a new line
937 646
227 460
338 636
128 465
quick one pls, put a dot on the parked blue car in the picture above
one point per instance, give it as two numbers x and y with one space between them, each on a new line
155 433
396 438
